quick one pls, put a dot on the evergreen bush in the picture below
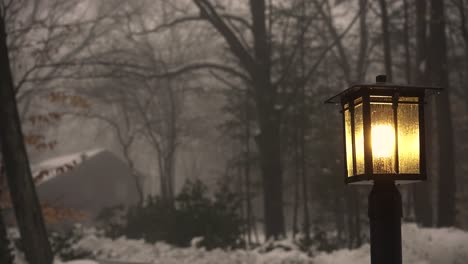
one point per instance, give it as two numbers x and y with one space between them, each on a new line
62 244
194 214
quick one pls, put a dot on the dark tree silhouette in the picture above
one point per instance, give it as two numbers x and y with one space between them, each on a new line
5 252
439 76
386 39
20 182
421 197
258 66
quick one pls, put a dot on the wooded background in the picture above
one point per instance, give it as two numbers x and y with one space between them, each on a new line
234 90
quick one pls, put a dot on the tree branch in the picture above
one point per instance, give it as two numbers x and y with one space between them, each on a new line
207 11
192 18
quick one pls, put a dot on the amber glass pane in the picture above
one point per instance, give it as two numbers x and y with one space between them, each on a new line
349 143
359 139
381 98
408 138
382 138
408 99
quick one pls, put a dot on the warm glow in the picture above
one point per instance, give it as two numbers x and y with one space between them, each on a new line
408 151
383 141
349 143
408 138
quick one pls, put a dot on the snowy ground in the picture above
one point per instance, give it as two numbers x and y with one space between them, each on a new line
420 246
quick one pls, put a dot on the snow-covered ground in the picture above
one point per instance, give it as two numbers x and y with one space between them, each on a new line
420 246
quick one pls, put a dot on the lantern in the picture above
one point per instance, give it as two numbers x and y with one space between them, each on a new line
383 131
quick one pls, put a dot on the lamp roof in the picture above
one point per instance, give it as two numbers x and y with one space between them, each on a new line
425 90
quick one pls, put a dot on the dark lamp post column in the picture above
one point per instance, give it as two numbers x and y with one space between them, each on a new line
385 212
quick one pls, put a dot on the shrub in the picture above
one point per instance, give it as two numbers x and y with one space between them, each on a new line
193 214
62 244
153 222
111 221
216 220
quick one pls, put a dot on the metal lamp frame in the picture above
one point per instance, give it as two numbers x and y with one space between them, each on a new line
365 91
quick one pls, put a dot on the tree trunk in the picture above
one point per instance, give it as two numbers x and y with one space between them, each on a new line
360 74
302 138
464 31
258 66
270 159
354 217
439 76
357 219
248 202
270 136
386 40
22 189
421 191
296 166
339 217
363 41
134 174
406 40
5 251
172 145
305 183
351 217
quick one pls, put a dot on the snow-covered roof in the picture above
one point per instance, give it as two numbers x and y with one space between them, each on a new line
50 168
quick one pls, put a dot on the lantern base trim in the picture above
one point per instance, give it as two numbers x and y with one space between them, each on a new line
397 178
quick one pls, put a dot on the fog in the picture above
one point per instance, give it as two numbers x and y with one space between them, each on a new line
228 97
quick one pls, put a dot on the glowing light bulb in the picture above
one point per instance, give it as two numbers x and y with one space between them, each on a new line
383 141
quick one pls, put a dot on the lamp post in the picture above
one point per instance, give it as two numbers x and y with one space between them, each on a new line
384 144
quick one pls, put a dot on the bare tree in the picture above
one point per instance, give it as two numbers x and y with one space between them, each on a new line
462 7
386 39
270 95
37 41
152 109
5 250
126 134
422 205
15 158
258 67
344 60
46 41
439 76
